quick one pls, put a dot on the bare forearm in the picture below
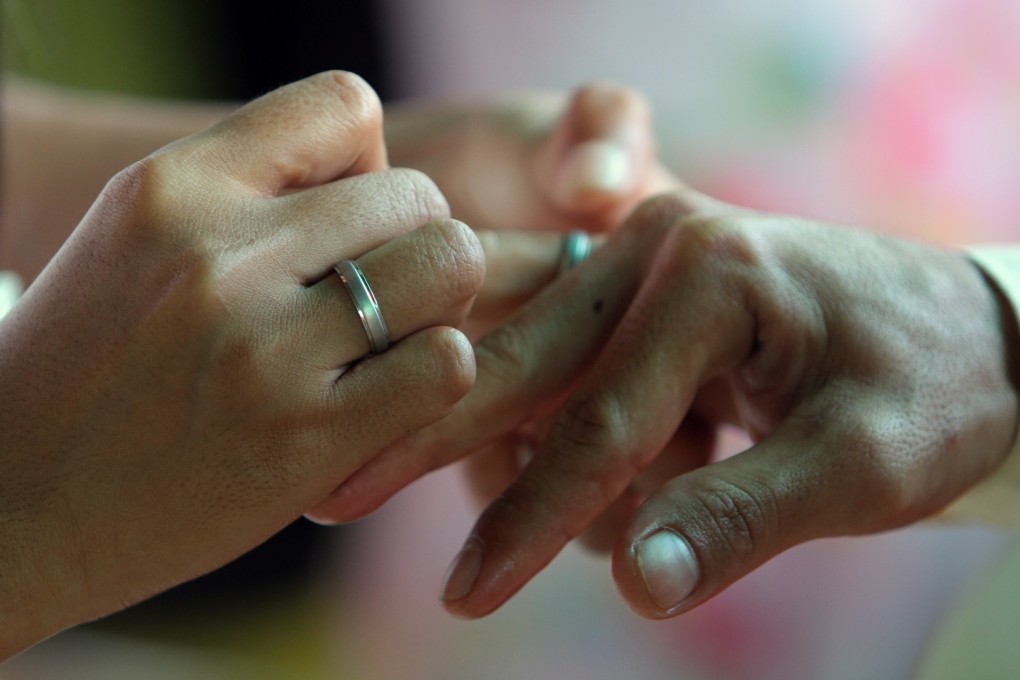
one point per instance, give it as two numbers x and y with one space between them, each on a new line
61 146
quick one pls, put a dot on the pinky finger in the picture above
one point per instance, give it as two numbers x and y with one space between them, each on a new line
385 397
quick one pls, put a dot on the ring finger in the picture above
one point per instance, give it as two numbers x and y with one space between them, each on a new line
428 277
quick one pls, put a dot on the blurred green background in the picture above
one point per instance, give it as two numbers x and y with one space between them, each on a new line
192 49
145 47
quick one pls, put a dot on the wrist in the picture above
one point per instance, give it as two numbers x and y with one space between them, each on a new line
37 599
996 500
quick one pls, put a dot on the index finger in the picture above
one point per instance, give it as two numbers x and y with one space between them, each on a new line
688 324
303 134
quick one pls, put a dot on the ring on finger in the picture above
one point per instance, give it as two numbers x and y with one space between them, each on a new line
365 304
576 248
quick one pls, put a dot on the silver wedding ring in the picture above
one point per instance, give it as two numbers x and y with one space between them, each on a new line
366 305
576 247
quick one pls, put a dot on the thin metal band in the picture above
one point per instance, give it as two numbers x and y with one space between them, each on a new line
366 305
576 248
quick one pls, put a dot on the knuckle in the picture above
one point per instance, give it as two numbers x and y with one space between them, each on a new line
141 185
684 210
885 460
712 238
507 354
357 97
460 257
145 202
658 213
595 421
740 517
419 194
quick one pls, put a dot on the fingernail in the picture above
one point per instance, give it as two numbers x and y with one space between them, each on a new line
668 567
462 574
321 520
600 165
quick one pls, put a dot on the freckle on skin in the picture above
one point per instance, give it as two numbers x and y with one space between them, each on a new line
597 308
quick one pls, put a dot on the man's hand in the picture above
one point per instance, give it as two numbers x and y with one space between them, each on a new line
873 374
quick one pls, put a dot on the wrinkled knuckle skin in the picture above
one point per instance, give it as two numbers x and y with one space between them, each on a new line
462 257
421 193
506 354
594 422
357 97
736 517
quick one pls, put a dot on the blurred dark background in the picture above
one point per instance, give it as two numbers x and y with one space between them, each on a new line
195 49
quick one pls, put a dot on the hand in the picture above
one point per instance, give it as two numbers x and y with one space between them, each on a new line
75 139
874 376
186 377
522 171
533 160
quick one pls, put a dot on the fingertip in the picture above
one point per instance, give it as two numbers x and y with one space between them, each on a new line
344 505
668 571
595 174
600 148
322 517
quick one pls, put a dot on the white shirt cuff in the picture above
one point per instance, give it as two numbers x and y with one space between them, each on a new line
996 500
10 290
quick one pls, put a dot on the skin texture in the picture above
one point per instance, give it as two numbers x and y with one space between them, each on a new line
505 164
877 378
520 171
60 147
190 347
186 377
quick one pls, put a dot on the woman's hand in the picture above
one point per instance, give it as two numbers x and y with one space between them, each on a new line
531 161
535 160
877 378
187 375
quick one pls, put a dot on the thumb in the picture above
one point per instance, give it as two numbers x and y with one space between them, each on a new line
706 529
600 151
